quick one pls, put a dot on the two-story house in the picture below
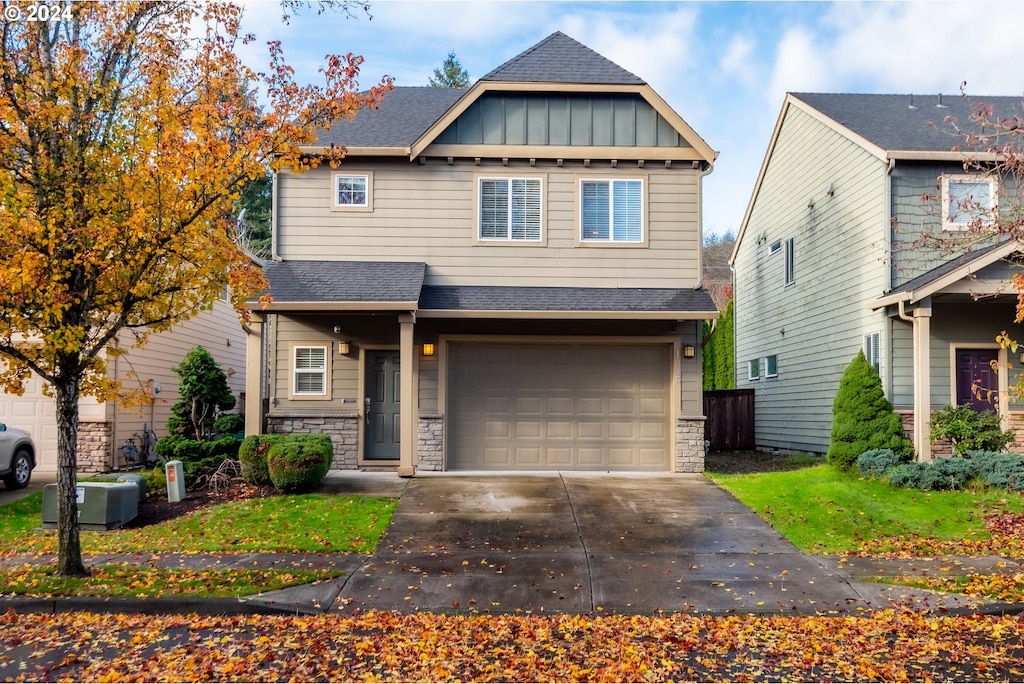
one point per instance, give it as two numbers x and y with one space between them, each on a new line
831 259
500 277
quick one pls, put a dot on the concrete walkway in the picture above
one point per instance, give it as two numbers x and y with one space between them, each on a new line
553 542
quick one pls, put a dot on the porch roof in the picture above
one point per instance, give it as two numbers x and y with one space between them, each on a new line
953 271
340 285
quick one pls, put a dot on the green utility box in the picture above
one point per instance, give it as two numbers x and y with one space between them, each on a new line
101 505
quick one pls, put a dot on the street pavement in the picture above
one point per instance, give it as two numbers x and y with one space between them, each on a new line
561 542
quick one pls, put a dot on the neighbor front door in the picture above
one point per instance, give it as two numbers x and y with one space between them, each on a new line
977 382
382 411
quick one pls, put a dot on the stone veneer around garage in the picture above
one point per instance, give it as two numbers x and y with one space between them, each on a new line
94 444
342 427
689 444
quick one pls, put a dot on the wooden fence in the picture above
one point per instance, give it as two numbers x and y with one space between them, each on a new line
730 419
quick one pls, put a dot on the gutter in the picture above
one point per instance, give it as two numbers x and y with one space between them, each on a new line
705 171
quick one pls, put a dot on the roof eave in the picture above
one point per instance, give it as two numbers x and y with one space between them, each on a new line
568 314
286 307
359 151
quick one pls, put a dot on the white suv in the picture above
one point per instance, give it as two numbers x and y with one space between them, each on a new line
17 457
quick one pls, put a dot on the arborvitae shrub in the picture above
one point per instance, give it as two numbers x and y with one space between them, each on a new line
863 419
876 462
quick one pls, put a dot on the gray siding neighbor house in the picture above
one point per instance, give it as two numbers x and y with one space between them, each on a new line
506 276
831 258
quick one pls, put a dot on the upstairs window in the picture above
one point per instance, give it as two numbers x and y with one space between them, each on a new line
966 199
612 210
790 256
352 191
510 209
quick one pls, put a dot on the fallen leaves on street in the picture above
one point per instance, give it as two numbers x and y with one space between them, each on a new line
892 645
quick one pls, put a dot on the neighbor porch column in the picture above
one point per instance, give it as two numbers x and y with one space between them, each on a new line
253 376
409 428
922 379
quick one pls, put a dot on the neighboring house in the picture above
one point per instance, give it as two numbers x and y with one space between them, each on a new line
829 261
500 277
103 427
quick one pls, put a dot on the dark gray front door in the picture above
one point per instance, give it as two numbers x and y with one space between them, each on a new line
977 382
383 389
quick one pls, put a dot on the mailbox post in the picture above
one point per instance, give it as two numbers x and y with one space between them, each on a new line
175 481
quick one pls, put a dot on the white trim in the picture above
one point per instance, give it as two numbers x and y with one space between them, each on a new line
610 240
510 228
366 205
324 371
968 219
750 367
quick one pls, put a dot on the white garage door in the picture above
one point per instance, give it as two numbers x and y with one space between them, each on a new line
37 415
559 407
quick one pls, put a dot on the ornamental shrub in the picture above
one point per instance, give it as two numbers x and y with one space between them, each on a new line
253 456
969 430
998 469
863 419
916 475
204 392
230 423
876 462
955 472
299 462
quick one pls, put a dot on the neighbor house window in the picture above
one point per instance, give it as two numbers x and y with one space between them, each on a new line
754 369
966 199
790 268
510 209
612 210
775 247
352 191
771 366
871 351
309 371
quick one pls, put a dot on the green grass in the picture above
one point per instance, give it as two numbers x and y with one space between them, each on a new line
822 510
149 582
285 524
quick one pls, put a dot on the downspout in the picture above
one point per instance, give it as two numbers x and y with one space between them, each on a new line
706 168
273 218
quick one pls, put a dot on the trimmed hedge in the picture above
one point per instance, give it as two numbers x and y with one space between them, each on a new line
299 462
252 454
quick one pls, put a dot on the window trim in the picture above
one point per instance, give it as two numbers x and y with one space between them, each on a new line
872 350
789 277
367 177
947 178
611 242
767 366
509 240
775 248
753 369
294 370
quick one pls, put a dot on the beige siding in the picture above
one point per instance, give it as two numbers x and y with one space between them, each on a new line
344 370
816 325
428 213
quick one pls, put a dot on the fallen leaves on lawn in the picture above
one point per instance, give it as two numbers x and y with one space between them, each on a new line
1006 538
892 645
998 587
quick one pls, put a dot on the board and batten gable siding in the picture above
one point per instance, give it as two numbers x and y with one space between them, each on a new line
816 325
427 212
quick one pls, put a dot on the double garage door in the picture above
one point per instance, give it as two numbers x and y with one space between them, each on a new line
559 407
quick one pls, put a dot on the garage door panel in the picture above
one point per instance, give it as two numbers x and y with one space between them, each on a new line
559 406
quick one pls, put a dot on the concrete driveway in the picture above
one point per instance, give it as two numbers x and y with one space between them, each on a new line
586 542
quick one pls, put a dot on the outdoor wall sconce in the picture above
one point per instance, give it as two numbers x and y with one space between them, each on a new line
428 349
344 347
689 351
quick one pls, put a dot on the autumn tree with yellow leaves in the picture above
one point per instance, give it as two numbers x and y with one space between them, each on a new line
127 131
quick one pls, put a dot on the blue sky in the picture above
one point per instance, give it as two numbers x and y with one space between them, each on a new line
725 67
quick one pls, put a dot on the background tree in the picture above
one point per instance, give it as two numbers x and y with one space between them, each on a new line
450 74
717 274
125 140
719 368
863 419
253 213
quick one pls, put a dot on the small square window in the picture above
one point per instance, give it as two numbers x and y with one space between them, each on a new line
771 366
352 191
775 247
967 199
754 369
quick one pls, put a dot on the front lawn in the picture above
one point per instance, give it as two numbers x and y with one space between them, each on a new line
308 523
825 511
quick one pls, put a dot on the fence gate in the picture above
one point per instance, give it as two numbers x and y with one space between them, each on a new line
730 419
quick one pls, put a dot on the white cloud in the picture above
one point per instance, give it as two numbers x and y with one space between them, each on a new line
801 64
738 60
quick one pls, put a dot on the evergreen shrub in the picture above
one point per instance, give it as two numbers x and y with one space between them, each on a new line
863 419
998 469
298 462
969 430
876 462
253 456
916 475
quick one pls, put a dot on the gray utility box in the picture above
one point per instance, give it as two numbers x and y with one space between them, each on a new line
101 505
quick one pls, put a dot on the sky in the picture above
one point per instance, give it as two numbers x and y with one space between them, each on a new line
725 67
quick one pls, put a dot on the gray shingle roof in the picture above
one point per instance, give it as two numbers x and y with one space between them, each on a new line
403 116
483 298
344 281
941 271
560 59
892 124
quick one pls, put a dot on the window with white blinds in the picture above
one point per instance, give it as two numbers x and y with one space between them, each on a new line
612 210
309 371
966 200
510 209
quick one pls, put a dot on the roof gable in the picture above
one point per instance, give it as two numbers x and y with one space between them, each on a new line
560 59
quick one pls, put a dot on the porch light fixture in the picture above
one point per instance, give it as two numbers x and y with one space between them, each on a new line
428 349
344 347
689 351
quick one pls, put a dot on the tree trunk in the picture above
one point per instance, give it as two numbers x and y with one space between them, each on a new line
69 551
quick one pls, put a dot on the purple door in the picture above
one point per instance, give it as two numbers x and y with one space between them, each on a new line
977 382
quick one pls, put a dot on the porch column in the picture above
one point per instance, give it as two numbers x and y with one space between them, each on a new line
409 428
253 376
922 379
